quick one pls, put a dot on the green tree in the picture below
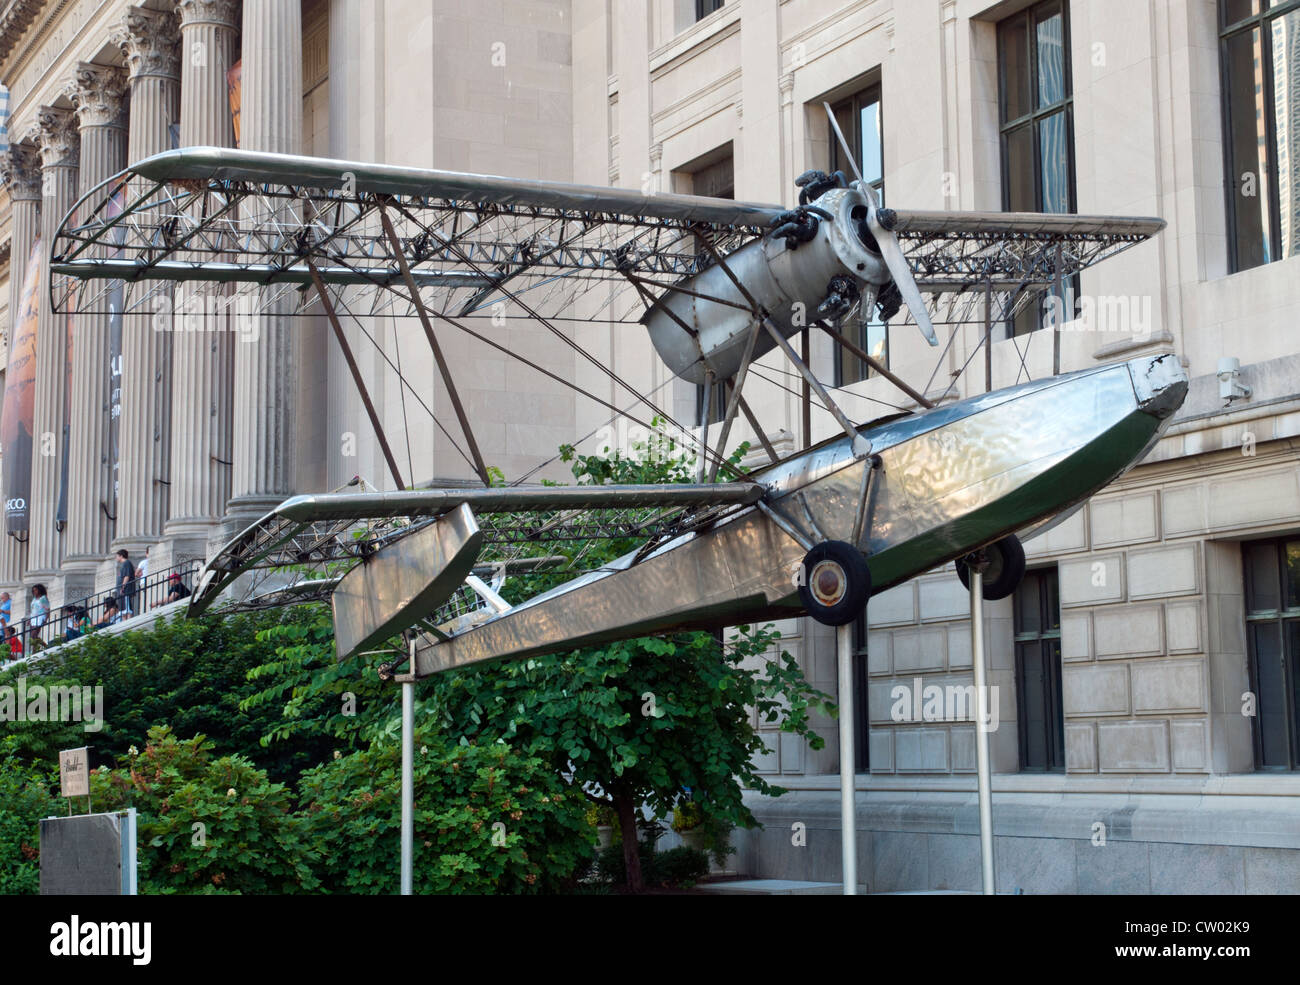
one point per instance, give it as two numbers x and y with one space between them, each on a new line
25 798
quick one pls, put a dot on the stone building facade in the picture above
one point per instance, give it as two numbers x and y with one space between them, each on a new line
1147 671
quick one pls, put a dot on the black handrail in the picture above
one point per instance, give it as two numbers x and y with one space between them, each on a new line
151 591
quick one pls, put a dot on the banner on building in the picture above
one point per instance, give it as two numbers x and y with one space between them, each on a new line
234 85
115 301
18 413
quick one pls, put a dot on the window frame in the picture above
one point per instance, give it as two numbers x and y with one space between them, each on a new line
1282 616
854 102
1053 697
1032 119
1269 11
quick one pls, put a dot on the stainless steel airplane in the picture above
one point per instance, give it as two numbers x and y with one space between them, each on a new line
722 283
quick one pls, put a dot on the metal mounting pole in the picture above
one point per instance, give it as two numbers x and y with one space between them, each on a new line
408 775
983 777
848 761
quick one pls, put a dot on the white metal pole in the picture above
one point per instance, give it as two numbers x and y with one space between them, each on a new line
848 811
408 783
981 729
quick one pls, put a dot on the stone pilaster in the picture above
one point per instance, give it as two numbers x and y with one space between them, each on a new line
22 177
202 359
97 93
149 40
265 375
57 136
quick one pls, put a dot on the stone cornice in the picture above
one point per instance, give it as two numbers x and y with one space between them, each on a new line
150 41
14 22
97 92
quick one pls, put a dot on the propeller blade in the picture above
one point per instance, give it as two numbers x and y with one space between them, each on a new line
890 251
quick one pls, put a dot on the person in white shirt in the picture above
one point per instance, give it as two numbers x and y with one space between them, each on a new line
40 606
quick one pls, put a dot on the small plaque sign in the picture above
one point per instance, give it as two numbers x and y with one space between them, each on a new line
74 772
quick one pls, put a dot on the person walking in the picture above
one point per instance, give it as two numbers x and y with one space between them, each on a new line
40 606
126 582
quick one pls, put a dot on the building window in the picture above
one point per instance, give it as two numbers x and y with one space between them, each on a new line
1259 45
1038 673
713 175
1037 126
859 118
1272 571
705 7
861 713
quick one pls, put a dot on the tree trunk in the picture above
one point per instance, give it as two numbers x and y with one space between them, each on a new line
626 810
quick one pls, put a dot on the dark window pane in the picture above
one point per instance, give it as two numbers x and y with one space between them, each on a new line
1234 10
1034 706
1271 697
1292 550
1286 116
1293 675
1013 39
1248 159
1050 39
1053 142
1052 605
1262 577
1020 170
1028 609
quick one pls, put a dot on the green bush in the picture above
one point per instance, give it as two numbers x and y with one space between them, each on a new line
191 675
487 820
682 867
25 798
206 825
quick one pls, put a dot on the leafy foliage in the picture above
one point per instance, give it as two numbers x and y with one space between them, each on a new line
191 675
25 798
207 825
488 819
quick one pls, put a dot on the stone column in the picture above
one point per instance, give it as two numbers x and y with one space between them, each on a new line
22 174
97 93
202 360
265 375
57 135
149 40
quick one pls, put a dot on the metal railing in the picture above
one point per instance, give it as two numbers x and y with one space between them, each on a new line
151 591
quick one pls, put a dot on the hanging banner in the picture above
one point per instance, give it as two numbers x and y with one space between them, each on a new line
115 301
234 85
61 512
18 413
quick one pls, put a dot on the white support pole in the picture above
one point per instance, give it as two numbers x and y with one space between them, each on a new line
848 811
982 770
408 782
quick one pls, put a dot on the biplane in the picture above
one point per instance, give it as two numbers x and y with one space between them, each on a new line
719 283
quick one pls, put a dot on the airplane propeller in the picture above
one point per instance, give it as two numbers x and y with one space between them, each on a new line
880 221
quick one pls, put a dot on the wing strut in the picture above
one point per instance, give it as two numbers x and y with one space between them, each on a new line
733 404
333 317
418 301
875 364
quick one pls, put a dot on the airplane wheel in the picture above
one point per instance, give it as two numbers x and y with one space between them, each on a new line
835 583
1006 568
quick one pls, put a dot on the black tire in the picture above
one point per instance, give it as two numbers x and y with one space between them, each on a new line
849 587
1005 571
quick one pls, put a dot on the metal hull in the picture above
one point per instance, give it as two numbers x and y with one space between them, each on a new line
953 479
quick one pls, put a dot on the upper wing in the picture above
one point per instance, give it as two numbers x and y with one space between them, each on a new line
216 214
319 537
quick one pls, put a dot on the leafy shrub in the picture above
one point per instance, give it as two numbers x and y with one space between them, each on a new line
682 866
206 825
25 798
191 675
487 820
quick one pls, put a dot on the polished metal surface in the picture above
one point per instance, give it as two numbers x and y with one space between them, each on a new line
404 582
953 479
